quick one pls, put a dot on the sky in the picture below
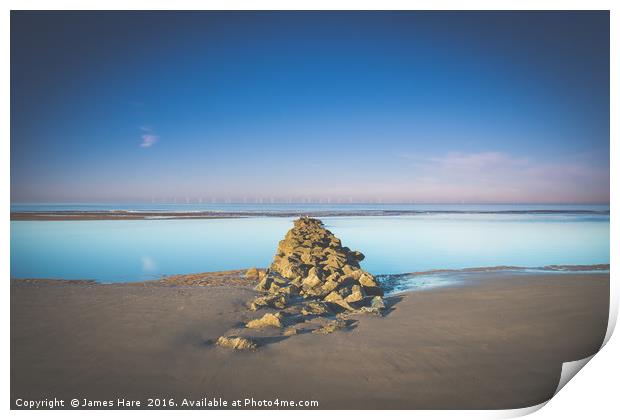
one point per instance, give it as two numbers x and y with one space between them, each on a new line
435 107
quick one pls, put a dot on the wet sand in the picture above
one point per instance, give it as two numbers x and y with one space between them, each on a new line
498 342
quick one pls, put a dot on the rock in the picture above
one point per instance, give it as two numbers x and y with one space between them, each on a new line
236 343
345 287
367 280
252 273
314 308
328 287
291 331
333 297
268 320
376 307
311 281
297 281
335 243
373 291
291 271
347 269
331 327
357 294
278 301
343 304
333 277
315 271
334 261
313 275
291 289
264 284
377 302
274 289
258 303
279 280
337 299
307 258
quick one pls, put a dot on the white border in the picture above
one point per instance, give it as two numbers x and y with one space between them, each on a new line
592 395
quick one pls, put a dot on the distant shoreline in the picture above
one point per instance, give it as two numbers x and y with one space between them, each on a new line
67 215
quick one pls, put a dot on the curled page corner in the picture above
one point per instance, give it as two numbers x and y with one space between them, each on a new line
570 369
521 412
613 317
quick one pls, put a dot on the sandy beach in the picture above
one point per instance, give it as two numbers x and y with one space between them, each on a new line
496 343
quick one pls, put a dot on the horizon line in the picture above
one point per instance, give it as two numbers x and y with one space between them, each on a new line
320 202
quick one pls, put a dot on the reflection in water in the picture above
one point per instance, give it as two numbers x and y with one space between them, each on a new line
148 264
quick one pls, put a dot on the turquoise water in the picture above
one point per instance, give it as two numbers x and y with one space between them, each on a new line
129 250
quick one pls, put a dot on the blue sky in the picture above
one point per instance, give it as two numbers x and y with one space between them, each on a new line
359 106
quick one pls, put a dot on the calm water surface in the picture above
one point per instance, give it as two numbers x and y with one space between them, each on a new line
143 249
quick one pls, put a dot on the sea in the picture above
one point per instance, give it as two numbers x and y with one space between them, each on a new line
411 238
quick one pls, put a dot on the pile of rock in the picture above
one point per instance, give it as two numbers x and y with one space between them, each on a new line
236 343
312 279
311 263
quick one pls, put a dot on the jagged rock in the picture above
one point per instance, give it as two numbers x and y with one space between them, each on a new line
328 287
377 302
312 274
291 289
373 291
258 303
367 280
278 301
331 327
291 331
264 284
347 269
376 307
268 320
333 297
236 343
314 308
312 280
334 261
343 304
308 258
337 299
357 294
371 287
252 273
332 276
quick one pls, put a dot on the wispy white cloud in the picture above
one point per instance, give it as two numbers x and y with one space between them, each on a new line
474 161
148 137
497 176
148 140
